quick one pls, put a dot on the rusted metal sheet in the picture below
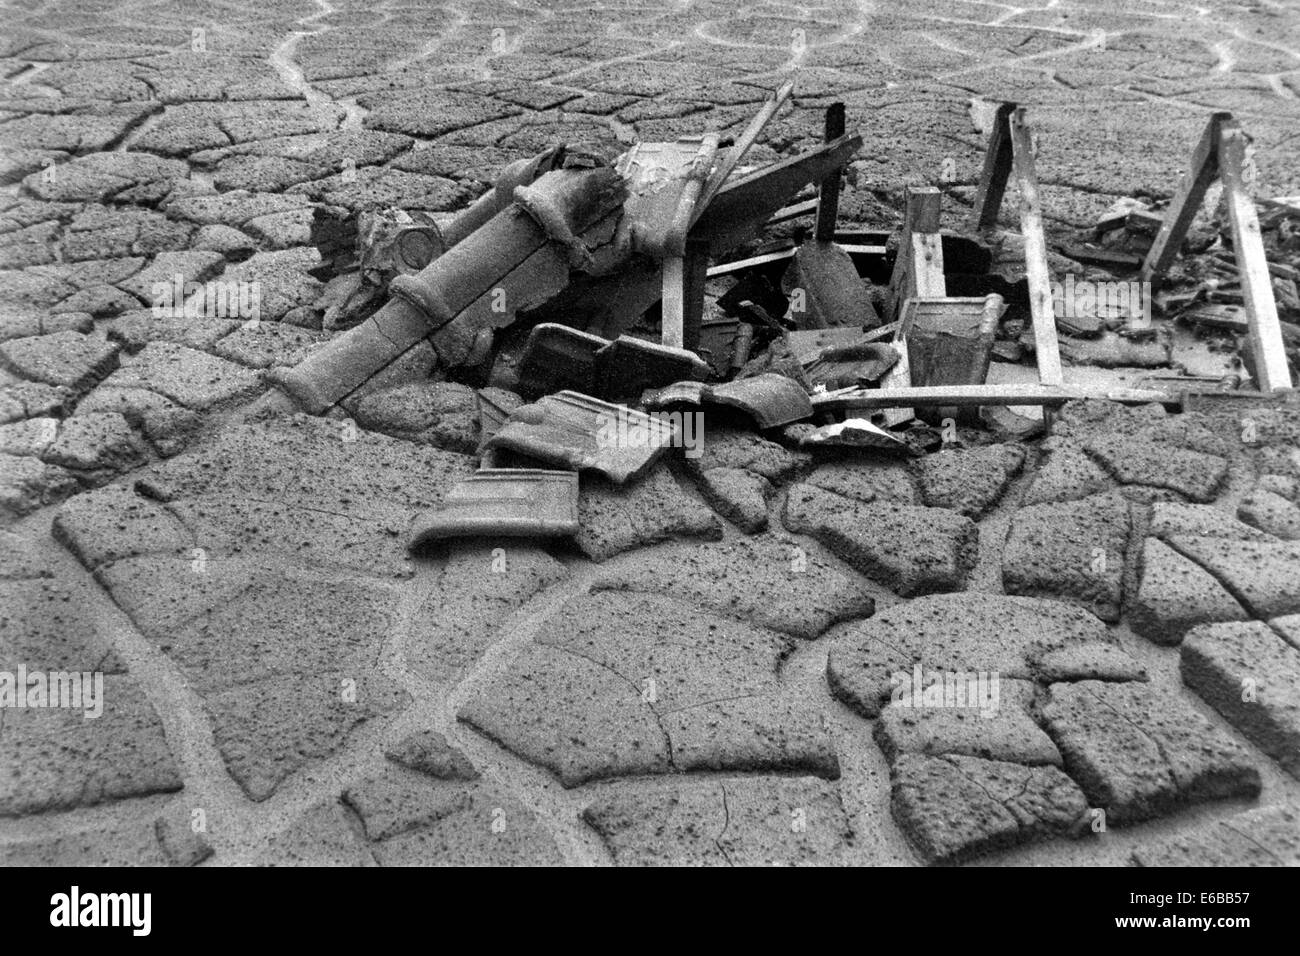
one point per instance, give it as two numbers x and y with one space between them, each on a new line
505 502
584 433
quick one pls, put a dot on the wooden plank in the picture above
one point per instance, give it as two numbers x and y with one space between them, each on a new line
1266 346
828 193
695 270
673 303
727 164
740 265
918 268
741 207
960 395
1036 273
899 378
997 169
794 211
1182 208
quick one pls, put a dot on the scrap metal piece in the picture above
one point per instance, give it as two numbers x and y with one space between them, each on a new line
854 433
584 433
504 502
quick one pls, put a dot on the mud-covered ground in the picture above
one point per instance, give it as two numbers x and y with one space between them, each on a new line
709 674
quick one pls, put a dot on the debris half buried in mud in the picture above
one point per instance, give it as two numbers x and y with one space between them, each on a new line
510 502
597 302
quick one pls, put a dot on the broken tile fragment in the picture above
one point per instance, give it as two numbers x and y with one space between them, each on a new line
575 431
506 502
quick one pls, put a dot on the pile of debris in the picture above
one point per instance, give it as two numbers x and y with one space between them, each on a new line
597 300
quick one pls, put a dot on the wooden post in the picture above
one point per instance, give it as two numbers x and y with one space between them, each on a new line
997 168
828 194
1182 209
673 303
1036 271
918 269
694 273
1267 350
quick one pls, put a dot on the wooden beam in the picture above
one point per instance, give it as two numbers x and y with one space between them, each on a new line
1036 272
1010 394
672 303
1182 208
695 270
727 165
997 169
828 193
740 265
794 211
918 268
1266 346
741 207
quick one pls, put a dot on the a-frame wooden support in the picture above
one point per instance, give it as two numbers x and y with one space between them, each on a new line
1220 153
1010 153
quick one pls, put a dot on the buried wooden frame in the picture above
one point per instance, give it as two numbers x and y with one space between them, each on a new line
1220 153
1010 152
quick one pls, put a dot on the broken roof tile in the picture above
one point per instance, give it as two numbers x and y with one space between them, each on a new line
508 502
584 433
